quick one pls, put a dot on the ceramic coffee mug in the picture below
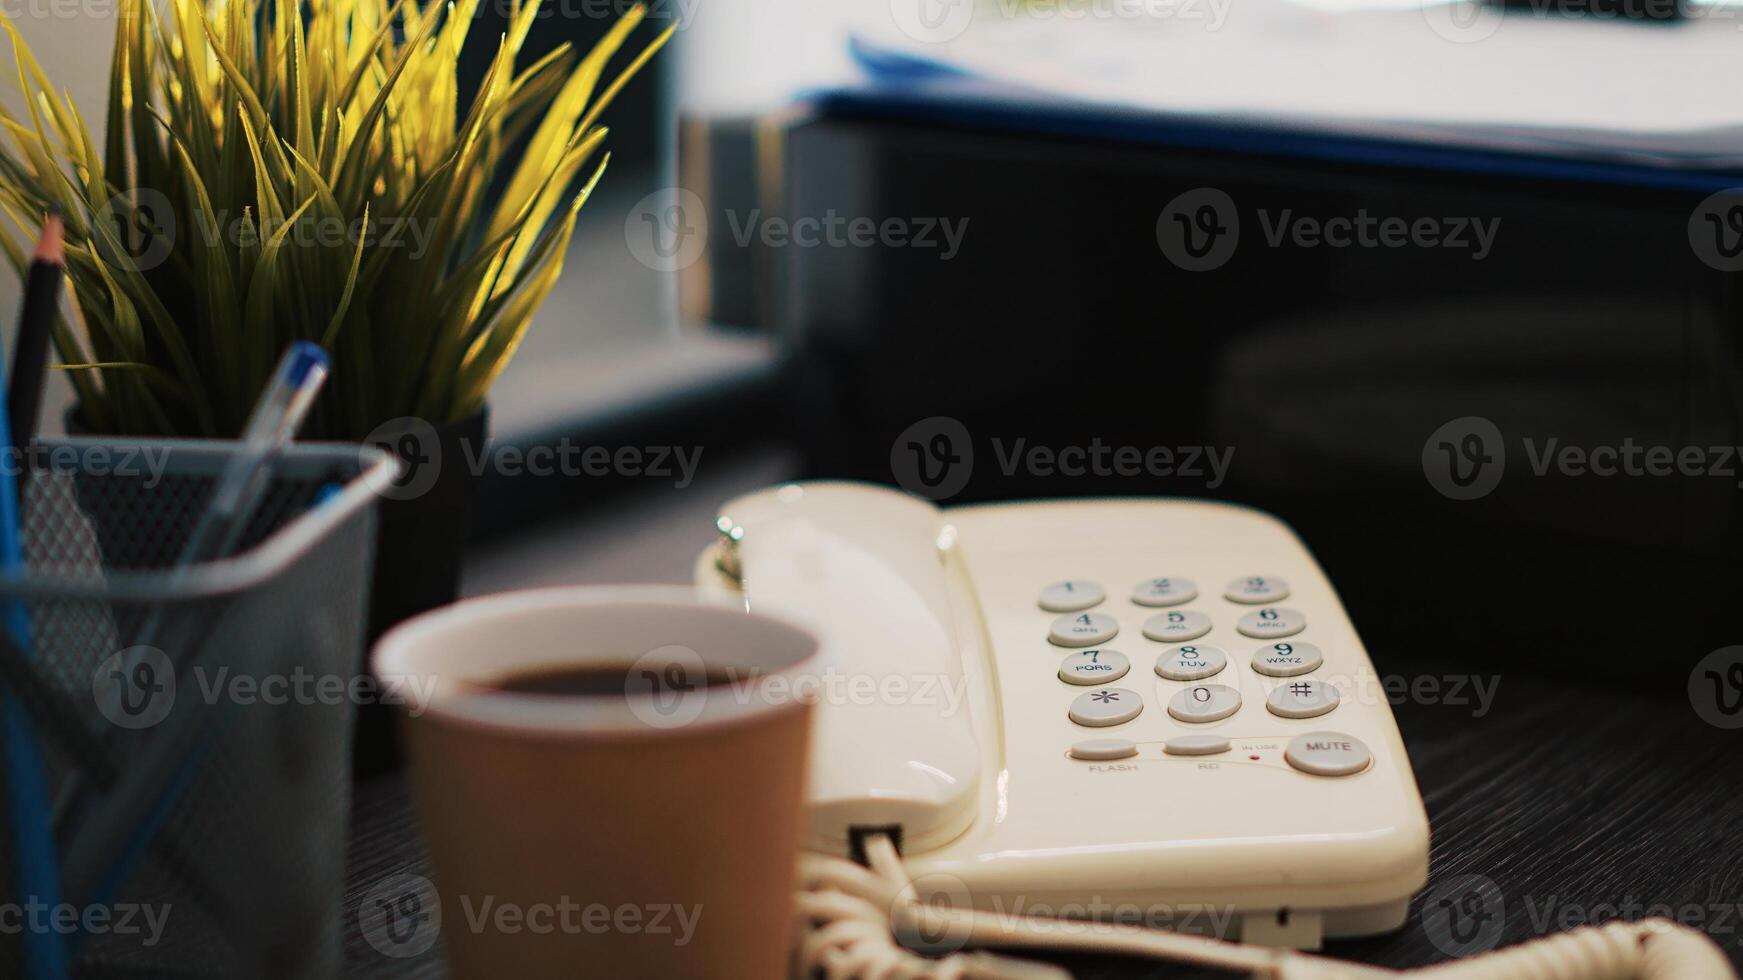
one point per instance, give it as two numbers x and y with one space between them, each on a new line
647 826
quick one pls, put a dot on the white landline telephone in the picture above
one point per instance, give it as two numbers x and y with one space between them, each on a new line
1117 709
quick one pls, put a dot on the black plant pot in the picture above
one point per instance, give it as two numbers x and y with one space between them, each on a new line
420 540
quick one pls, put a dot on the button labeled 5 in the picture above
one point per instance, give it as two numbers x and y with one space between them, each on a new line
1177 626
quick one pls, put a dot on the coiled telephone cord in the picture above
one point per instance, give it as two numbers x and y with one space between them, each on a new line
851 917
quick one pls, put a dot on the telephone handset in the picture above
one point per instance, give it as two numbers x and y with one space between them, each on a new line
1107 709
864 567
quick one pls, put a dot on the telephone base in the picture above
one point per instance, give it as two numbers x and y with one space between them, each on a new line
1065 730
1295 929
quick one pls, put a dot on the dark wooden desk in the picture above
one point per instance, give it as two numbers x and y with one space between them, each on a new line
1574 802
1572 799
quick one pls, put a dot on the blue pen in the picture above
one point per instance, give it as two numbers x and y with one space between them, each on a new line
28 811
277 415
143 800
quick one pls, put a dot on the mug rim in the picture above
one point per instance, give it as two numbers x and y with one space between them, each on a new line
395 656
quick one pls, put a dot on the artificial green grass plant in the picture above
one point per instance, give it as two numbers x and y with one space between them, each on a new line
279 170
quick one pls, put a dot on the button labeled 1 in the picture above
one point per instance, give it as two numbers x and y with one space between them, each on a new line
1094 667
1072 595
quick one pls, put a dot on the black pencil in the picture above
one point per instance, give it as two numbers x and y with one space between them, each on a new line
42 293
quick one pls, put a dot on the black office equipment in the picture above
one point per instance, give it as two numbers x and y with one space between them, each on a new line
1349 381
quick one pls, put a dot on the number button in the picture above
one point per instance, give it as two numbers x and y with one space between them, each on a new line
1191 663
1164 591
1302 699
1257 589
1287 659
1094 667
1083 630
1105 707
1177 626
1203 703
1271 621
1072 595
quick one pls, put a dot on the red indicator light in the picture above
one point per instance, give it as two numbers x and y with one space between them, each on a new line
1253 757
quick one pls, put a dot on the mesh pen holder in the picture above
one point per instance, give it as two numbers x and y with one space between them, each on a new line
195 723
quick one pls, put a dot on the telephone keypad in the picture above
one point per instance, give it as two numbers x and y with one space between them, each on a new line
1269 622
1106 706
1203 703
1083 629
1164 592
1177 626
1072 595
1302 699
1098 666
1257 590
1191 663
1184 661
1287 659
